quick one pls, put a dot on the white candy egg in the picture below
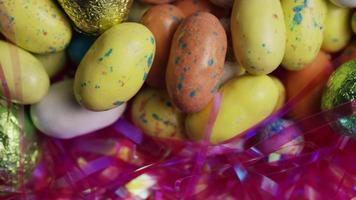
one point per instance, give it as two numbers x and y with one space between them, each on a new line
59 115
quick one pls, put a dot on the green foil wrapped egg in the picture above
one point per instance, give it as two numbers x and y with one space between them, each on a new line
341 88
19 149
96 16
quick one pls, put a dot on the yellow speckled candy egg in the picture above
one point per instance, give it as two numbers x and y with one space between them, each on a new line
281 91
115 67
24 79
258 34
337 32
304 24
245 101
38 26
53 63
155 114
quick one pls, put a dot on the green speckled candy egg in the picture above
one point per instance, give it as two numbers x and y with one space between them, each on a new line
38 26
115 67
304 21
258 34
155 114
341 88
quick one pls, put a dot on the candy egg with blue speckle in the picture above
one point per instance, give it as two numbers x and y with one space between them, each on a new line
155 114
115 67
304 20
196 61
38 26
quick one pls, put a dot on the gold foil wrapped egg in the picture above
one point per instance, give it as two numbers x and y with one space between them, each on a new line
96 16
19 150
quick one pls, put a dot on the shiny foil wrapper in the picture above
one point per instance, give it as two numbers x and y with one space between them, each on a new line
19 149
341 88
95 16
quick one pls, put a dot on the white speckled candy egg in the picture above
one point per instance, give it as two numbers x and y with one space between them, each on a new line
345 3
59 115
115 67
38 26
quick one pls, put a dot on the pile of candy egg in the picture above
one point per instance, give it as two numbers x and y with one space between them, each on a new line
168 59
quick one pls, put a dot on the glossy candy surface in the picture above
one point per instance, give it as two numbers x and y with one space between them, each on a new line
38 26
337 31
155 114
115 67
59 114
162 20
196 61
245 101
258 34
26 81
304 25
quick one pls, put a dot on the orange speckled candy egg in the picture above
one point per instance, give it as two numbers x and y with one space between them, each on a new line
196 61
162 20
157 1
296 81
